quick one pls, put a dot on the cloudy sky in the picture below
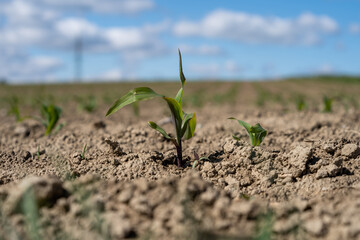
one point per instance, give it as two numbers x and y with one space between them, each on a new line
138 39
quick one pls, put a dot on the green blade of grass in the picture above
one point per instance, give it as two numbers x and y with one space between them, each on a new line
137 94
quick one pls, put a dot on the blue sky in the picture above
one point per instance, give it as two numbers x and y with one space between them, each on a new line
138 39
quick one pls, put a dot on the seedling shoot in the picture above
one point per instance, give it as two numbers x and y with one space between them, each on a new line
256 132
184 123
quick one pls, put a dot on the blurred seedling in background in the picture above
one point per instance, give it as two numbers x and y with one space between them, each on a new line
83 152
50 116
262 95
227 97
256 132
31 212
300 103
38 153
327 101
14 108
87 104
184 123
197 99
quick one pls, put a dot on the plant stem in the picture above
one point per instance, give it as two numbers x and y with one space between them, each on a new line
179 154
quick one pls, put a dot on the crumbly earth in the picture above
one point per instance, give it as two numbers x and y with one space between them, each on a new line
302 182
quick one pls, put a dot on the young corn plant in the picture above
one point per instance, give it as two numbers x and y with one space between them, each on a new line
327 104
50 116
14 108
256 132
87 104
83 152
184 123
300 103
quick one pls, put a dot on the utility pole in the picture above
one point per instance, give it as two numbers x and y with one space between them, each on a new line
78 60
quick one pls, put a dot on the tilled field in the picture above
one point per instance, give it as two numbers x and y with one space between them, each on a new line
302 182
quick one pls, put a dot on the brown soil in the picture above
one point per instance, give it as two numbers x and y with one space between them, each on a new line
302 182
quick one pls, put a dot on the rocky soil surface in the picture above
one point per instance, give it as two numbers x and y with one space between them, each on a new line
302 182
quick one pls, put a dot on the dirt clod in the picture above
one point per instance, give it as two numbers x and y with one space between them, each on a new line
350 150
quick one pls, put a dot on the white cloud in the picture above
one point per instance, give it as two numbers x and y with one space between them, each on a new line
249 28
354 28
103 6
27 8
325 69
233 67
229 68
74 28
121 38
51 25
205 69
21 67
112 75
201 50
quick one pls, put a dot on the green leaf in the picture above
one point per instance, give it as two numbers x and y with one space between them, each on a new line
52 116
160 130
236 138
185 123
242 123
186 119
177 115
179 95
137 94
190 128
182 77
256 132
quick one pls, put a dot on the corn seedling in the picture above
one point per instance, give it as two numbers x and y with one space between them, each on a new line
197 99
83 152
227 97
38 153
327 104
262 95
31 212
184 123
197 159
256 132
87 104
14 108
50 116
300 103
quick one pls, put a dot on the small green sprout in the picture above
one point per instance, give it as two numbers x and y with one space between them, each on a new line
184 123
83 152
197 159
300 103
327 104
227 97
50 116
256 132
14 108
87 104
38 153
